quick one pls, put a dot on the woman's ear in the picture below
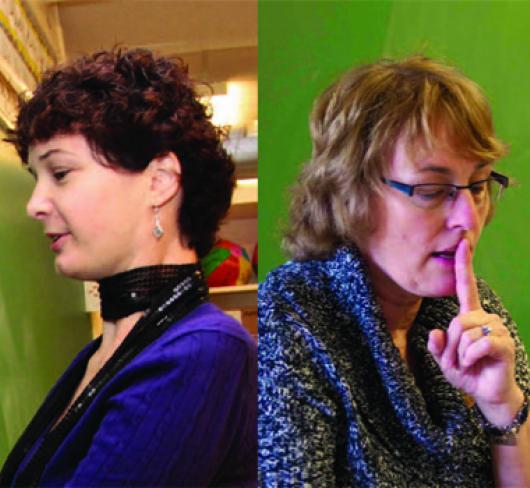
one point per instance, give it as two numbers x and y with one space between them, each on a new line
165 178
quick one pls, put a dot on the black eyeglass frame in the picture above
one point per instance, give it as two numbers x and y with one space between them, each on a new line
503 180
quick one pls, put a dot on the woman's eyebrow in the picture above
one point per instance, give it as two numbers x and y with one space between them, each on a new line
51 152
435 169
45 156
447 171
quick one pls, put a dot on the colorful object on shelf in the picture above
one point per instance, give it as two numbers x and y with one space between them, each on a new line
255 259
227 264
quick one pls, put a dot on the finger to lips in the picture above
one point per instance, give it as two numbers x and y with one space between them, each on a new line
468 298
466 284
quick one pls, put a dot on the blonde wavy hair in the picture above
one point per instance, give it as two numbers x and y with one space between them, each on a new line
355 124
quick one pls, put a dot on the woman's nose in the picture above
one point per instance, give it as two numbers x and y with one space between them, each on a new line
464 211
39 205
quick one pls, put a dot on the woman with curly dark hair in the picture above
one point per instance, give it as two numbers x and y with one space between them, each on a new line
131 184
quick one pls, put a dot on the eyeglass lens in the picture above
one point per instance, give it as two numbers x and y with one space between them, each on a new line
429 196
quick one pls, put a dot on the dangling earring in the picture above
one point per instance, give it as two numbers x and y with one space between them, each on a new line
158 231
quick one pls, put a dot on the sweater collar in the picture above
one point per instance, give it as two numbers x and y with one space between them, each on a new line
439 433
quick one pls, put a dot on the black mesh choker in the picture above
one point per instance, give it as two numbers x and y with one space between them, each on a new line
134 290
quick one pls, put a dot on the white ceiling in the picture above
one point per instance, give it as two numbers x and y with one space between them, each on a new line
217 37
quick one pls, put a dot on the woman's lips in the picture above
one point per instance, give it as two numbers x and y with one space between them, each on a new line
444 257
57 242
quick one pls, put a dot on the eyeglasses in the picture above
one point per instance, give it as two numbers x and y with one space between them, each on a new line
431 195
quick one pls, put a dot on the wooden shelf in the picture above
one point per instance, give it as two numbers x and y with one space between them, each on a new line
245 200
235 297
243 211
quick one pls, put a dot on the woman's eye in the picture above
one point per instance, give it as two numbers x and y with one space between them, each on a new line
478 189
430 194
60 175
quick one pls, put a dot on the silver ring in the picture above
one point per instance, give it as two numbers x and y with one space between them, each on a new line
486 330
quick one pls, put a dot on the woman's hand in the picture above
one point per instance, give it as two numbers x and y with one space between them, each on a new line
477 353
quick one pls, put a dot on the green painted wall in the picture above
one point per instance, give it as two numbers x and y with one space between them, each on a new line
42 323
304 46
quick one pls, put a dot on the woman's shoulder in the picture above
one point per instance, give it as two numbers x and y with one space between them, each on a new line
294 284
343 264
205 342
292 296
302 308
290 274
209 324
313 291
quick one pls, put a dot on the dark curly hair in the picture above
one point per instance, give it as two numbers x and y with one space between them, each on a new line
133 107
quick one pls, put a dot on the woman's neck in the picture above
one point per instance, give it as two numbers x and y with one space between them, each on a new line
399 307
114 333
399 317
169 250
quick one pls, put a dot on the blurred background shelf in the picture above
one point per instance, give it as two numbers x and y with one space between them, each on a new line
244 200
241 302
234 297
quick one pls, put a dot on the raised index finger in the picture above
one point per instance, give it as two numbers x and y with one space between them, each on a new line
466 284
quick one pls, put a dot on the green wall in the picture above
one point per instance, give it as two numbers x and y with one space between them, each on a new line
42 323
304 46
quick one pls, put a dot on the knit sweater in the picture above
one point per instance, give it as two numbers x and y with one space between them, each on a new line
337 404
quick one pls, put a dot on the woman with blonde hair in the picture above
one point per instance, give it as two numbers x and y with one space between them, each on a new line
383 360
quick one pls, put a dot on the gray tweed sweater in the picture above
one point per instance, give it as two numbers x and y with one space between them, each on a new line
337 404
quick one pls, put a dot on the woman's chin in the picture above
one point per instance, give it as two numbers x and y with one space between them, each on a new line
74 272
443 288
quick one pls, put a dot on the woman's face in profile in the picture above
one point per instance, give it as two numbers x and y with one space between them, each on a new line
91 213
412 248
